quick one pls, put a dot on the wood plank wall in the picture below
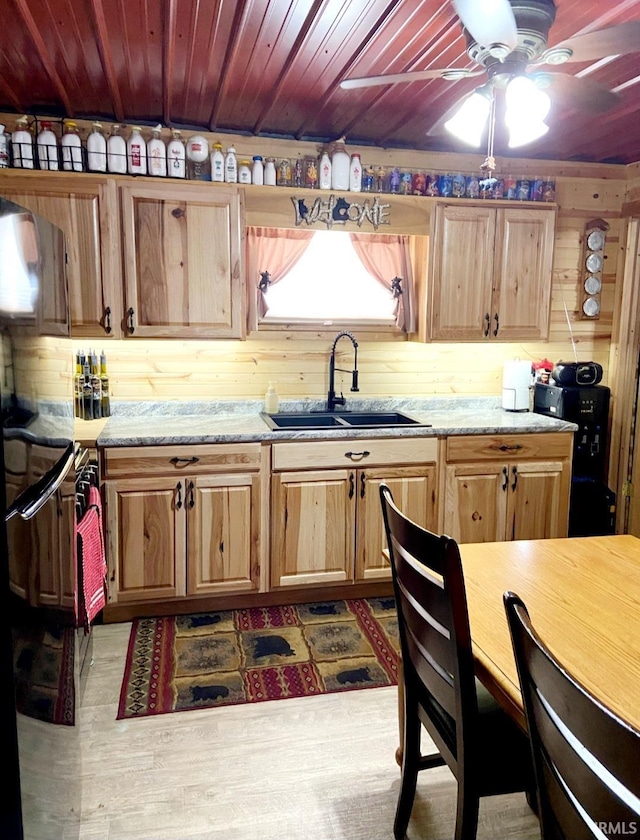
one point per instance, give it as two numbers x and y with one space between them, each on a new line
297 362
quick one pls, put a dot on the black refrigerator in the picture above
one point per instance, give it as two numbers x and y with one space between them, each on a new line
44 647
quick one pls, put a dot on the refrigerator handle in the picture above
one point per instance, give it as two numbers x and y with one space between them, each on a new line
34 498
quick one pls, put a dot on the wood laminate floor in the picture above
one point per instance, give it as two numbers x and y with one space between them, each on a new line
313 768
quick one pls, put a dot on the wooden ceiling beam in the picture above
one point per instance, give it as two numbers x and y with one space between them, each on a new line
6 92
233 47
308 25
106 57
168 63
43 55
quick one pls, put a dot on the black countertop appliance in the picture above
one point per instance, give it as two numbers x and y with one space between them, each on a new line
592 504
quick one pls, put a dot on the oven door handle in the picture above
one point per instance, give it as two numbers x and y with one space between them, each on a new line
35 498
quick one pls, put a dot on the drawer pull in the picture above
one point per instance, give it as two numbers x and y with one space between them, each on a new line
357 456
184 461
514 448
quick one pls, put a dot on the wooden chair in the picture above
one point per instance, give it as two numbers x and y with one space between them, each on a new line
485 750
585 758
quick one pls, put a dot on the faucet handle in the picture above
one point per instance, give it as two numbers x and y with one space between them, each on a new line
354 380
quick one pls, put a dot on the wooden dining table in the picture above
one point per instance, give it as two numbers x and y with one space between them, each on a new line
583 596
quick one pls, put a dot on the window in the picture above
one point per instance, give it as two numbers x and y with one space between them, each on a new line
329 283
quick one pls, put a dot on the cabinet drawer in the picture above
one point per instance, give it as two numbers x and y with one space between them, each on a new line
365 453
135 461
488 447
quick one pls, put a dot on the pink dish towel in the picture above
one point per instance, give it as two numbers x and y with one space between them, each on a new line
93 564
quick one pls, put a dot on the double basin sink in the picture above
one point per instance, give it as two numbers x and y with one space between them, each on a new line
312 420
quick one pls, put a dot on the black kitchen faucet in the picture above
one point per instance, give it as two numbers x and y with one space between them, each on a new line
332 400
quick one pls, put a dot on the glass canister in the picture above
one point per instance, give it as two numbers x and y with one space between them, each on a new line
297 173
283 175
549 189
406 183
381 180
310 173
419 183
368 179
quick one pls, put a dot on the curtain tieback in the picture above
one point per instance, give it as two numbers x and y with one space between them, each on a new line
396 288
265 281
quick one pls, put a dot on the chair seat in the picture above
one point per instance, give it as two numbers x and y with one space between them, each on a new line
503 756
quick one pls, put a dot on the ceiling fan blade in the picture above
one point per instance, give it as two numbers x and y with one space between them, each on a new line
615 40
450 74
575 92
489 21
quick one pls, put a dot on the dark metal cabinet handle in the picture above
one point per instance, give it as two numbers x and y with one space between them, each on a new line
179 499
495 318
487 318
505 473
107 320
351 486
363 479
514 472
357 456
130 313
191 499
184 461
514 448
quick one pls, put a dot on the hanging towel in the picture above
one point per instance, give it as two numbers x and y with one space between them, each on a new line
92 559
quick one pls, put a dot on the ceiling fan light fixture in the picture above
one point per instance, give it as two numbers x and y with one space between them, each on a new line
468 123
523 133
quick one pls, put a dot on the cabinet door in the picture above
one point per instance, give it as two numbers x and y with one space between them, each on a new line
146 538
538 500
524 255
313 527
86 212
476 502
183 261
414 492
461 272
223 518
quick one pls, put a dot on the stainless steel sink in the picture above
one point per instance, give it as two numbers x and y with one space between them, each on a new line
311 420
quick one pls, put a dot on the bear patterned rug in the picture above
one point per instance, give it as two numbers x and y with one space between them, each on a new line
263 653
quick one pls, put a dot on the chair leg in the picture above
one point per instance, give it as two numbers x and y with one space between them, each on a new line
410 768
467 812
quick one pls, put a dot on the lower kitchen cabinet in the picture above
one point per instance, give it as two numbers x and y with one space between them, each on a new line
326 515
189 527
507 487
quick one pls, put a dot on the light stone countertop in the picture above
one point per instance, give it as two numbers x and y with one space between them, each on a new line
156 424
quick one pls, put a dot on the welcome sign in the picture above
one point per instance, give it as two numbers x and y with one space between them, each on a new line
339 211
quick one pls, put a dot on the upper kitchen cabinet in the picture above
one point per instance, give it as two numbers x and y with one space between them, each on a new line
85 209
490 273
183 261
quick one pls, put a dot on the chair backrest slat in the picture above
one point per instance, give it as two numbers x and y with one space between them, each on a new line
432 617
586 758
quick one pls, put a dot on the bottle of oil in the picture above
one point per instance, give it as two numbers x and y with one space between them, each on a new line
104 387
96 396
78 383
87 392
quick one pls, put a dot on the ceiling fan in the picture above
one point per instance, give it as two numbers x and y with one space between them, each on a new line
507 39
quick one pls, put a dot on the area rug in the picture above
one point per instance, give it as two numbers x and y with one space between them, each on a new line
246 656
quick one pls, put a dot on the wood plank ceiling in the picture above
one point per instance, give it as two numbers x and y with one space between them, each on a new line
273 67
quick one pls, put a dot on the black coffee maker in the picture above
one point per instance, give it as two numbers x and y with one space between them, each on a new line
592 503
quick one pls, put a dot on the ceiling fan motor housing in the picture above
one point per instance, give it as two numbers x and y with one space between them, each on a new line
534 19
